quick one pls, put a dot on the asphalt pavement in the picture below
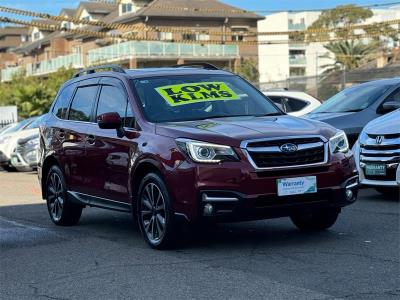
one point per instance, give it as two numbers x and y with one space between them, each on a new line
104 256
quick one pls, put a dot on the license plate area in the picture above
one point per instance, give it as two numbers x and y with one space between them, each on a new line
296 185
375 169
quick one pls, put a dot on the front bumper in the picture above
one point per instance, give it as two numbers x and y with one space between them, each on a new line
248 194
19 163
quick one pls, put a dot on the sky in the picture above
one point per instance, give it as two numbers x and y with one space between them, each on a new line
54 6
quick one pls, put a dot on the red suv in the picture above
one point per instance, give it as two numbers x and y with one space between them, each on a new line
188 143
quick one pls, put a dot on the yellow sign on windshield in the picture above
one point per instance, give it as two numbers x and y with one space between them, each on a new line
189 93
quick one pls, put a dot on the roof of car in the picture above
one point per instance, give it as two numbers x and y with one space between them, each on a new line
152 72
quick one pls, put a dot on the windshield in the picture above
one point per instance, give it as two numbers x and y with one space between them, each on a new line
18 126
353 99
196 97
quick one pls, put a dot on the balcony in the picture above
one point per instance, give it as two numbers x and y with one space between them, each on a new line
8 73
297 60
52 65
297 26
299 46
145 49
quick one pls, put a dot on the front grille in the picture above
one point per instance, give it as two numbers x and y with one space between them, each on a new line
387 152
267 153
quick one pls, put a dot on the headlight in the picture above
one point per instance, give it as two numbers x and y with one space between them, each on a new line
339 143
33 142
205 152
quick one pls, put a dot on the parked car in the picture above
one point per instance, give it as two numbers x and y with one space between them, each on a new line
188 144
24 157
352 108
9 141
377 153
294 103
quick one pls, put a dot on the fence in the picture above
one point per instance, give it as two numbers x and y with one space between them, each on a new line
326 85
4 123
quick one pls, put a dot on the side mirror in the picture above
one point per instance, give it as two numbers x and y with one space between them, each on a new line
110 120
389 106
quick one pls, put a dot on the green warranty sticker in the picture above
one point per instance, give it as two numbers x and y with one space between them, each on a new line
189 93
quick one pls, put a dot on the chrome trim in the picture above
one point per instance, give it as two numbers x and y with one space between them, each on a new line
383 151
206 198
243 146
386 142
379 182
378 158
275 149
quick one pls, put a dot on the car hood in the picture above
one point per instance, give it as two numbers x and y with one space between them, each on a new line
387 124
324 117
232 130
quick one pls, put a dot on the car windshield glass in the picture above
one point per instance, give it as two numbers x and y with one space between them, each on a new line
18 126
353 99
196 97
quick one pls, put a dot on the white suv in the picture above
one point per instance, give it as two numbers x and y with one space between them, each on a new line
294 103
377 153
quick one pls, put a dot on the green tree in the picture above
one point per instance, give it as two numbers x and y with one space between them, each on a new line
249 70
33 95
349 54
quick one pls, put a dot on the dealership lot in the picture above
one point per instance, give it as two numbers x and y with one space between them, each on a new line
104 257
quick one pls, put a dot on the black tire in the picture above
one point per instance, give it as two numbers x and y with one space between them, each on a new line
316 221
155 220
62 211
392 192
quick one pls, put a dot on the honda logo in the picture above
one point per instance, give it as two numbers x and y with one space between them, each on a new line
379 139
288 147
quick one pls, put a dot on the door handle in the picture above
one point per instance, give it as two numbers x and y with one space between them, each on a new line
91 139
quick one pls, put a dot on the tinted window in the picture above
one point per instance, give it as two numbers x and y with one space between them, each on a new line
81 107
353 99
195 97
62 102
395 96
288 104
114 99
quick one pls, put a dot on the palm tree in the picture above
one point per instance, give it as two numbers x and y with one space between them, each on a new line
349 54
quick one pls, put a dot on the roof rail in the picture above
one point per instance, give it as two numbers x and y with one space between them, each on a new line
206 66
91 70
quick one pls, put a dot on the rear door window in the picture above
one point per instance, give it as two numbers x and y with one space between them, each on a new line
61 106
82 104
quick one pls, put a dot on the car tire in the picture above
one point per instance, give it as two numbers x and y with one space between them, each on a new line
155 213
61 210
317 220
389 191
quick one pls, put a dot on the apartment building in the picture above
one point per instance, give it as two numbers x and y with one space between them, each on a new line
10 38
279 61
154 33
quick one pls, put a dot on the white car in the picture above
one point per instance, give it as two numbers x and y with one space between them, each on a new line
377 153
9 141
294 103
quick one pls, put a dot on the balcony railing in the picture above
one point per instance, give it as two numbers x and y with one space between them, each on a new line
297 60
297 46
297 26
52 65
9 73
144 49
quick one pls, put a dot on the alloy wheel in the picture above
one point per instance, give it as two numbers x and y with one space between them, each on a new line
55 196
153 214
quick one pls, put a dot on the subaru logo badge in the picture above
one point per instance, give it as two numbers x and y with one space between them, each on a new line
379 139
288 147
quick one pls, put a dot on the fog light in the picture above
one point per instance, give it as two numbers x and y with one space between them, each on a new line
208 209
349 194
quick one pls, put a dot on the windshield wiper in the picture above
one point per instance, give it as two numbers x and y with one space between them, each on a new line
270 114
353 110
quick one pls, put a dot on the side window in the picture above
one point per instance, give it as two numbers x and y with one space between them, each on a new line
62 102
394 97
295 104
82 104
113 99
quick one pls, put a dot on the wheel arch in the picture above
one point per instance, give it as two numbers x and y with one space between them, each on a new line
47 164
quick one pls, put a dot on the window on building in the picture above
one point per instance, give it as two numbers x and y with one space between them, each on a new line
189 36
297 72
36 35
77 49
302 21
66 25
237 37
87 18
82 104
24 38
126 8
162 36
